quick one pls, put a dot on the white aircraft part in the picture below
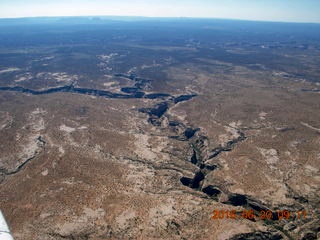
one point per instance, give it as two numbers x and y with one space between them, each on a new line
4 229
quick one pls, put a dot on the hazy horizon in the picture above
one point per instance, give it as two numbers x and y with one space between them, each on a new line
119 17
258 10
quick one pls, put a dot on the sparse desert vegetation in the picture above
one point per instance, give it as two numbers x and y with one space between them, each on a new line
140 130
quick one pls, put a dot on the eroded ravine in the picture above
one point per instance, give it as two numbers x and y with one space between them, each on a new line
7 172
203 158
138 91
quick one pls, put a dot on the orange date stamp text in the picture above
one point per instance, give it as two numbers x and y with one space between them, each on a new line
261 215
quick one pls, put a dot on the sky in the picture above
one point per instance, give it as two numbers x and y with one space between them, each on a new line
265 10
